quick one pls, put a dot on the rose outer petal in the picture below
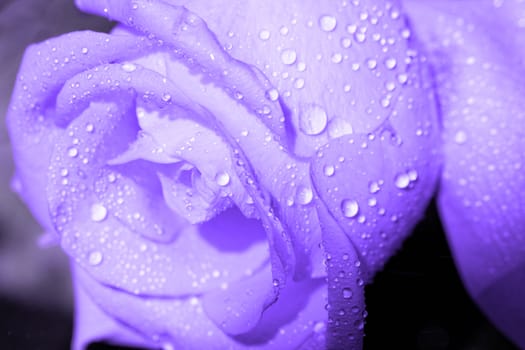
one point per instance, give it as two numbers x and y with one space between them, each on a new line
182 322
477 50
45 68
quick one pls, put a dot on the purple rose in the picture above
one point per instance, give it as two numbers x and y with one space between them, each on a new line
232 177
476 49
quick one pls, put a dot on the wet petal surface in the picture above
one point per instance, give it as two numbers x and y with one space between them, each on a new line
477 50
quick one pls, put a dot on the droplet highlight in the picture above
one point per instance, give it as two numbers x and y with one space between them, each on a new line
350 208
313 120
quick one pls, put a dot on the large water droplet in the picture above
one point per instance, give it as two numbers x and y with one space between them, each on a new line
272 94
222 178
327 23
373 187
319 327
304 195
371 63
264 35
129 67
95 258
402 78
390 63
288 56
460 137
402 181
72 152
313 120
337 58
350 208
299 83
98 212
329 170
347 293
360 37
346 43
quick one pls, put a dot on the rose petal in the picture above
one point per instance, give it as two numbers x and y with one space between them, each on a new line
346 299
179 28
336 67
239 308
477 55
44 69
92 324
244 135
87 211
293 321
381 203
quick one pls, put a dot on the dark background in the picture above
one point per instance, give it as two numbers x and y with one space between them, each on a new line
417 302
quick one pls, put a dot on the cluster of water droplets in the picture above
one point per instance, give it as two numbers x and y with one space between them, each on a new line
356 43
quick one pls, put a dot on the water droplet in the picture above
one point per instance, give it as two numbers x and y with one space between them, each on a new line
391 63
98 212
385 102
272 94
337 58
304 195
350 208
360 37
288 56
222 178
313 120
264 35
460 137
299 83
72 152
347 293
329 170
84 50
402 78
371 63
129 67
90 127
95 258
402 181
166 97
319 327
346 43
405 33
327 23
284 30
390 86
351 28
